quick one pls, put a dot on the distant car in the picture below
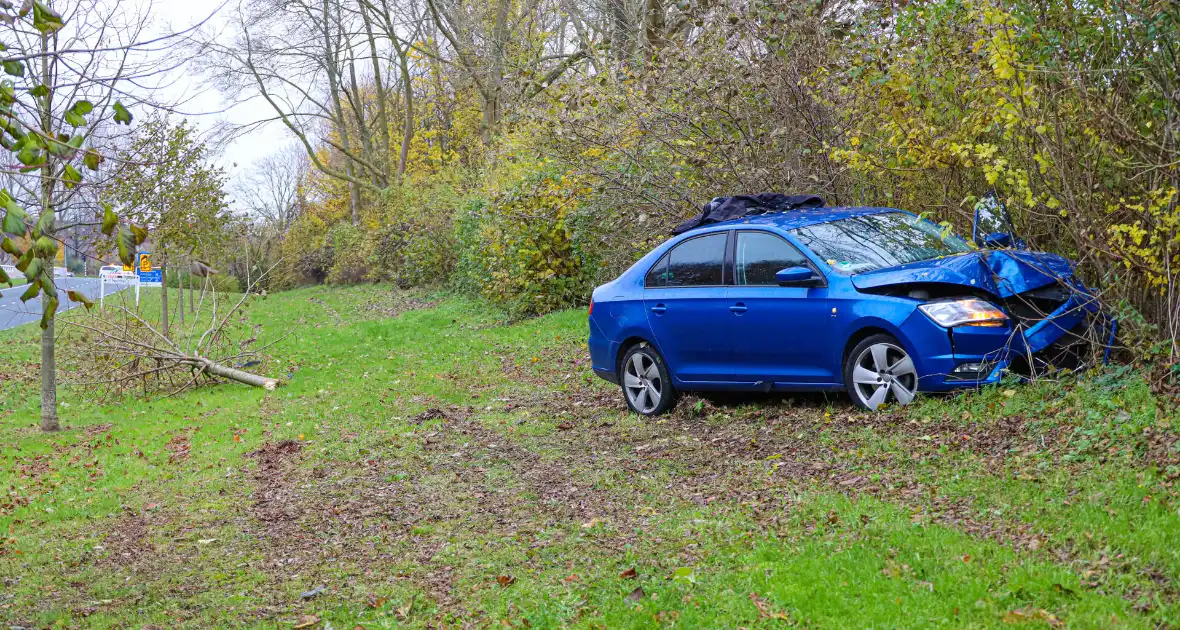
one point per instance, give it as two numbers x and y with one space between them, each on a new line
875 301
62 272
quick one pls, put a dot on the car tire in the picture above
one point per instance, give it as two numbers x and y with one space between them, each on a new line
879 370
645 381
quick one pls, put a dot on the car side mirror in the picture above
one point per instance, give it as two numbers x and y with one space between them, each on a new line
797 277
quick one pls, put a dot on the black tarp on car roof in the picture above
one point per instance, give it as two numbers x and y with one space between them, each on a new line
727 208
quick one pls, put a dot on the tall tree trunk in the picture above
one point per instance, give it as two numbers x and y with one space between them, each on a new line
48 376
620 30
49 420
403 61
332 66
382 121
358 111
179 296
494 85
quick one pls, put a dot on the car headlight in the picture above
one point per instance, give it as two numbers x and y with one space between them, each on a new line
964 312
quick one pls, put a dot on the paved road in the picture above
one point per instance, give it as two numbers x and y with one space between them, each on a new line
14 313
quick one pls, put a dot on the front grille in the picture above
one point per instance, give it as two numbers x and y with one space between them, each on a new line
1033 306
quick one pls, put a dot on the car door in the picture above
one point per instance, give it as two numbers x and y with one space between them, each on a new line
780 333
684 294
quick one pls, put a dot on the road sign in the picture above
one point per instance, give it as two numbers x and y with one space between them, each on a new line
151 278
148 277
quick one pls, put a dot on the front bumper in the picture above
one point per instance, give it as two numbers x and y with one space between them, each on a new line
1022 348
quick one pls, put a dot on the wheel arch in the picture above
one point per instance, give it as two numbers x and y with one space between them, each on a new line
631 342
864 333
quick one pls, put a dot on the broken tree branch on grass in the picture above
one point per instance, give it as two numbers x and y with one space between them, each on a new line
120 350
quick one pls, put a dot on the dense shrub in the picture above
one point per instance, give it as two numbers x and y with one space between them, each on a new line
350 246
415 246
518 251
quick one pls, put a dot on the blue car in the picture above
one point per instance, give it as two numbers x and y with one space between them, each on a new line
877 302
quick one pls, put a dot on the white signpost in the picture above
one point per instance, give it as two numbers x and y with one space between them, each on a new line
116 275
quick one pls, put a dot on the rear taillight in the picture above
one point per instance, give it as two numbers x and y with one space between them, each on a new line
591 311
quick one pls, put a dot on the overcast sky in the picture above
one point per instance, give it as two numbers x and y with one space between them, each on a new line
177 15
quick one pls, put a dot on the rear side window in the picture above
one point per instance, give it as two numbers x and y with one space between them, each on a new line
760 255
693 263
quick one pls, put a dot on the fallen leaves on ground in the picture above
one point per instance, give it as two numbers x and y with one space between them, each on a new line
636 595
1025 615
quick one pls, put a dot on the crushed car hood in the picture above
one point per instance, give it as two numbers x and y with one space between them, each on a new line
1002 273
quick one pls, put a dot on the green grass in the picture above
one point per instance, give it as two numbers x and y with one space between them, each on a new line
449 468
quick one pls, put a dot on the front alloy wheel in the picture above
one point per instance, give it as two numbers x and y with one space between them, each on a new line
881 371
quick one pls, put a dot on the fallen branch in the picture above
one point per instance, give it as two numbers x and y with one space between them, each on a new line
234 374
117 351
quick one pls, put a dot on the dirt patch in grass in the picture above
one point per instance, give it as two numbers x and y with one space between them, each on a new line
275 502
127 542
392 303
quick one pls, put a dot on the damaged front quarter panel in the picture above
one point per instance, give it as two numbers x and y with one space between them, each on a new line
1001 273
1044 300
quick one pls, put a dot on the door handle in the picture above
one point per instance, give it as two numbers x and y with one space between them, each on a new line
738 308
659 309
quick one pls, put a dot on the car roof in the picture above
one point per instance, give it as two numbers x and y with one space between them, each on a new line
792 219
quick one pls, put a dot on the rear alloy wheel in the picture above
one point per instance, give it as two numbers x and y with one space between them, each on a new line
647 386
878 370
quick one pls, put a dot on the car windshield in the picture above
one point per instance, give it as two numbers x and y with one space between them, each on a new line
877 241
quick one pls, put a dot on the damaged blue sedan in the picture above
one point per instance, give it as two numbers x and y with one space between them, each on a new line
776 293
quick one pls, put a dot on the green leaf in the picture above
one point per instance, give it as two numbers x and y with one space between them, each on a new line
47 285
29 155
31 292
122 116
15 219
82 107
75 119
77 296
4 279
26 259
71 176
109 220
45 247
50 311
40 90
14 68
45 19
126 244
92 160
33 269
45 223
139 232
8 246
75 142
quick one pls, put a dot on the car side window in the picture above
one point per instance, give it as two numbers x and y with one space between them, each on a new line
760 255
658 275
696 262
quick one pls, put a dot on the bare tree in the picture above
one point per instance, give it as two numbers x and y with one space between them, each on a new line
273 189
